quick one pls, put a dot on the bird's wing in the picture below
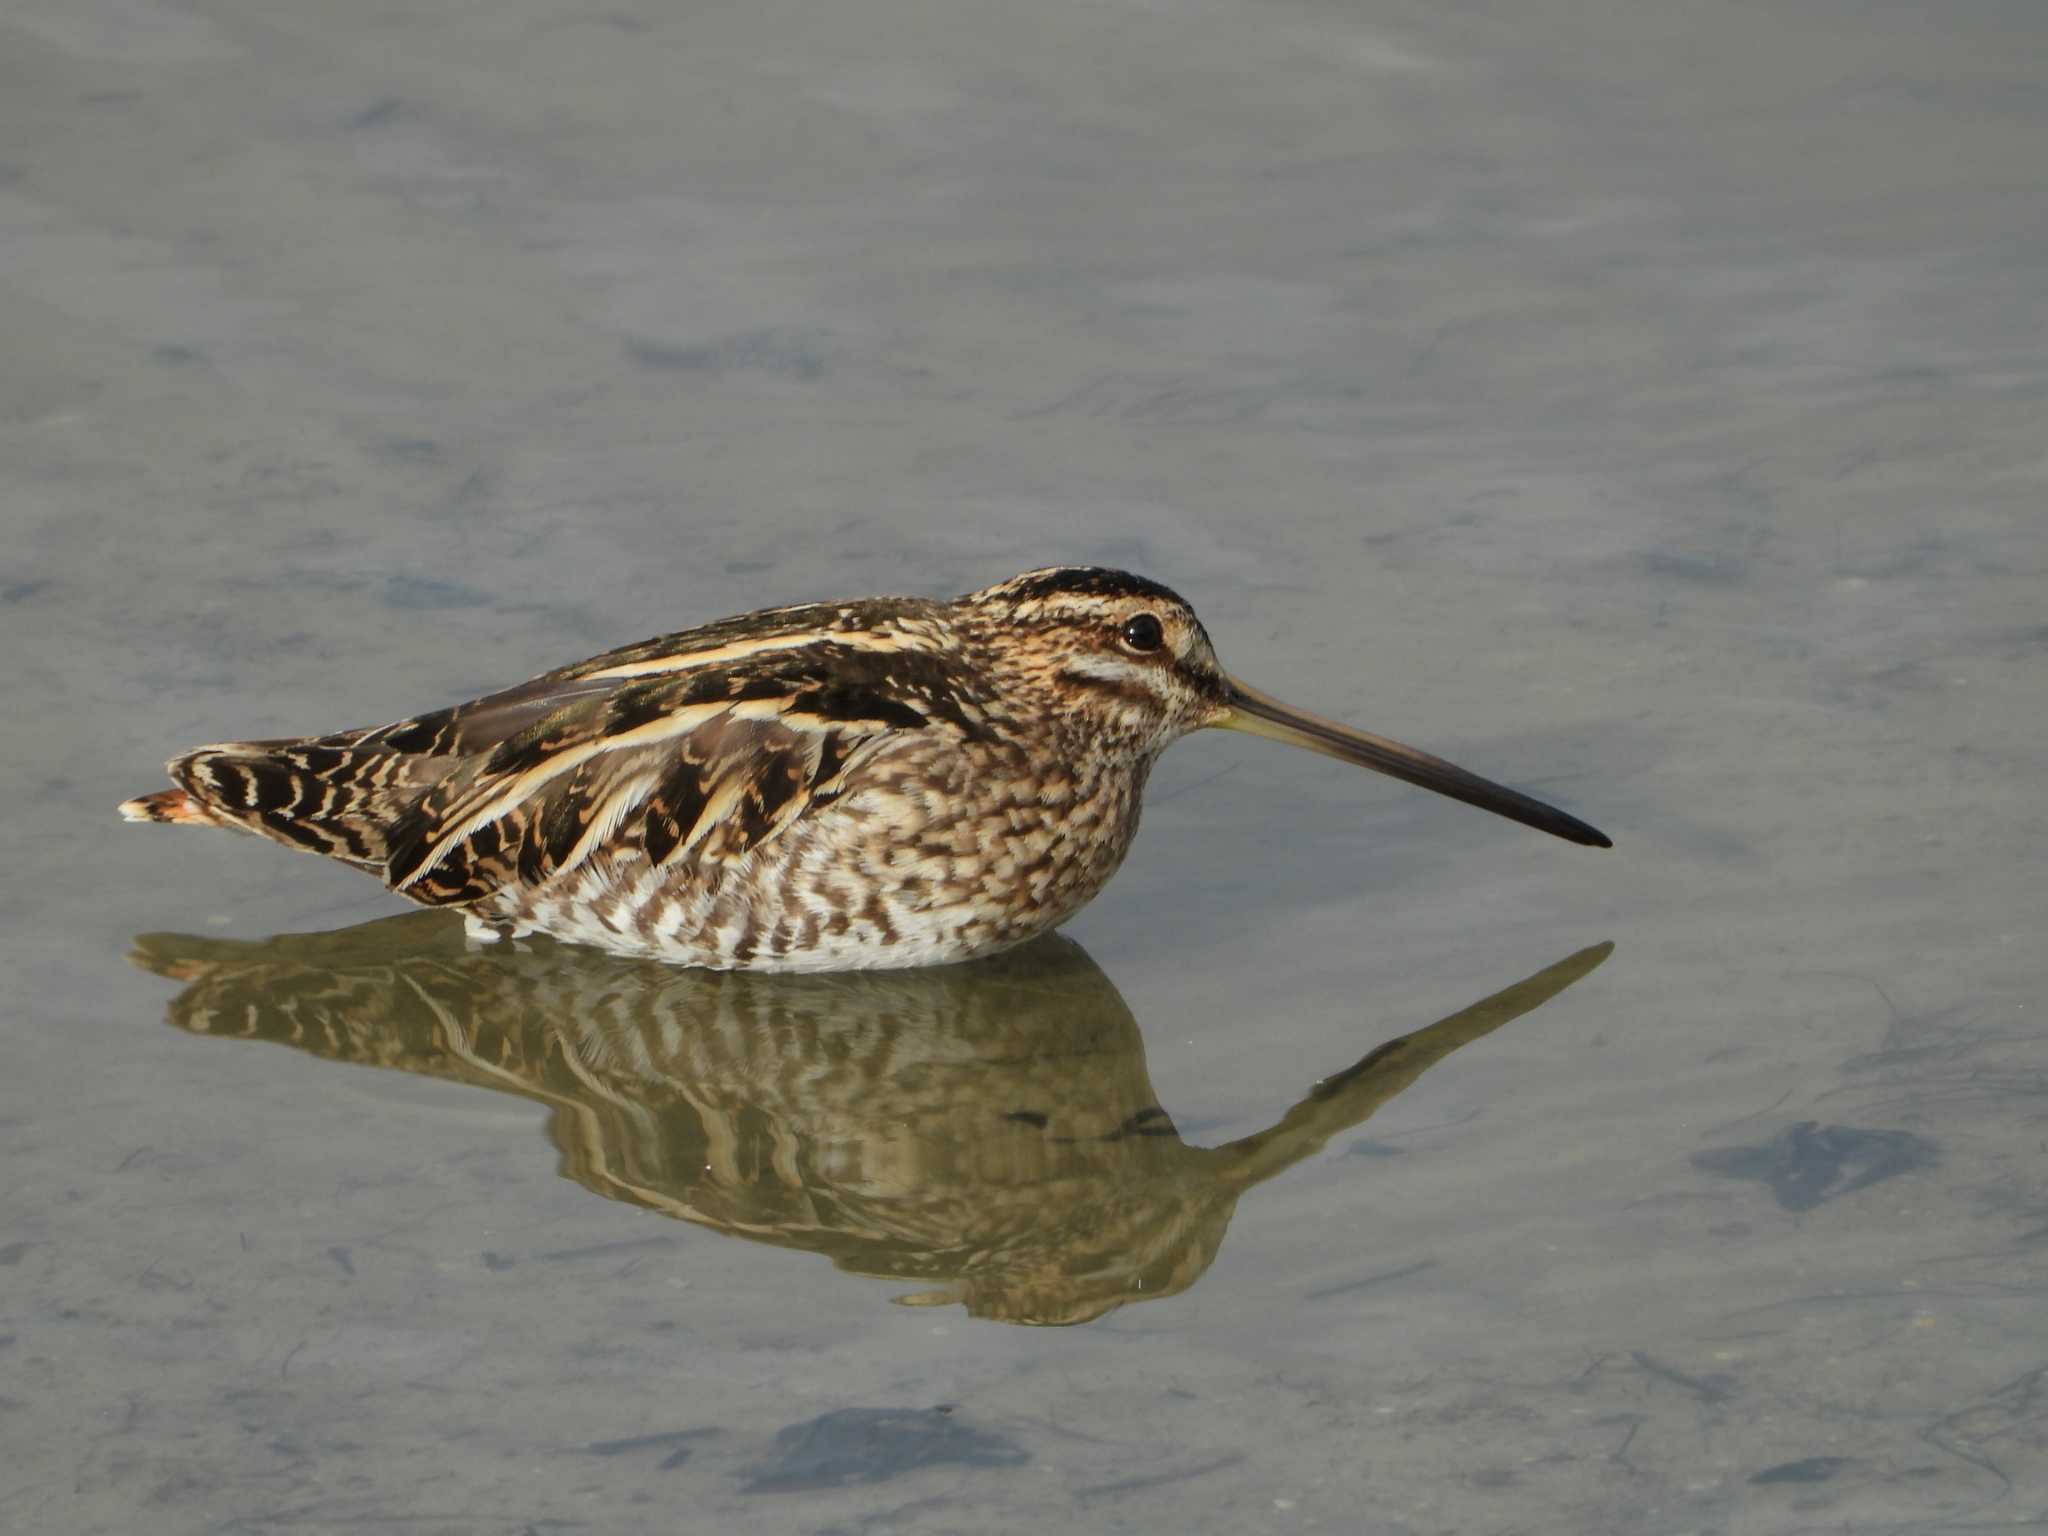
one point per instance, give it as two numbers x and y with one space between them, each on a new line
659 737
700 764
805 636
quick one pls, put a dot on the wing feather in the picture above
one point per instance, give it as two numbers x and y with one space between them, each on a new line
675 767
689 746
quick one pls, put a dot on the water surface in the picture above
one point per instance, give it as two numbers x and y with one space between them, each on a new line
1641 404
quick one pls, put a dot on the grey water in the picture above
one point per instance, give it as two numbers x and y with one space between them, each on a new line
1640 404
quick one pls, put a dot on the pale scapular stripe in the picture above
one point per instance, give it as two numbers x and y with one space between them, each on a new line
715 811
616 807
501 802
739 650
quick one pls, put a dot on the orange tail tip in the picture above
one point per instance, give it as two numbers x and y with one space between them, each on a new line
171 806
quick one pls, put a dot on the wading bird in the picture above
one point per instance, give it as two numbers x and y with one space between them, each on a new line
889 782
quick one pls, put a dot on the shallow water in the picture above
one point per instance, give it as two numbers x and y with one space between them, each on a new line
1639 404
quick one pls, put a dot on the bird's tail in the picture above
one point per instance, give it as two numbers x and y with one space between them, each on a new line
326 795
172 807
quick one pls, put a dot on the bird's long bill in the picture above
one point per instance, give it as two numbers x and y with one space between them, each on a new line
1263 715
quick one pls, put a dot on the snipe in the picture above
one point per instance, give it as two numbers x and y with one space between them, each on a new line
888 782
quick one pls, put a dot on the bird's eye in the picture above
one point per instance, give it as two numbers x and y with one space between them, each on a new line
1144 633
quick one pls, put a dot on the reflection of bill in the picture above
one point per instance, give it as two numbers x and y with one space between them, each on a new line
985 1130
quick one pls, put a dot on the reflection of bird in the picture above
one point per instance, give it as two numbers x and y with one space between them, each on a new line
987 1130
882 783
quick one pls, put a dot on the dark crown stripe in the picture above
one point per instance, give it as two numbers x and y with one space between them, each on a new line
1086 581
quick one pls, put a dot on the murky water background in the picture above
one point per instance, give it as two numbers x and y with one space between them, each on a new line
1643 404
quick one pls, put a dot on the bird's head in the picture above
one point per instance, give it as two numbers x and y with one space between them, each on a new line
1124 661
